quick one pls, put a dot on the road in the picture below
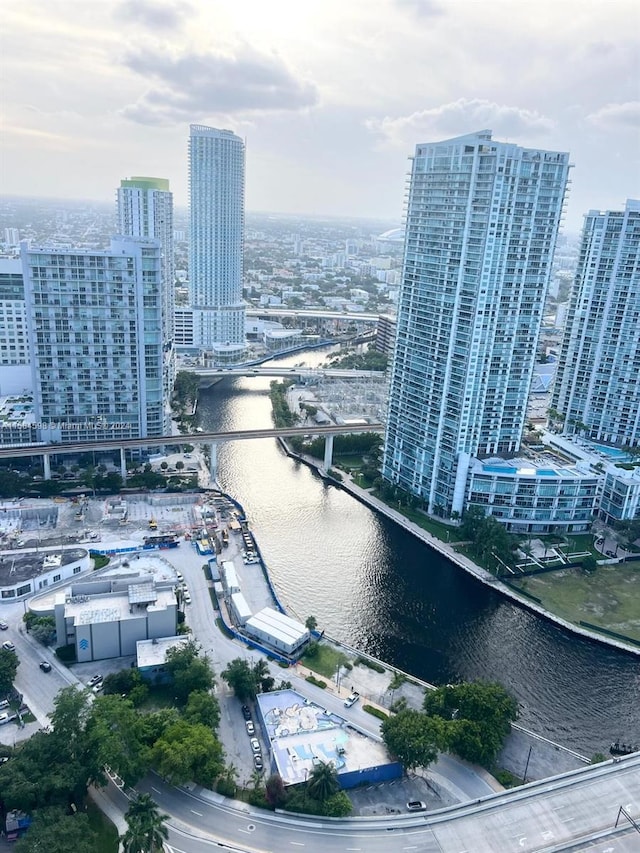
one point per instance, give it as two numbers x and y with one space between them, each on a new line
574 812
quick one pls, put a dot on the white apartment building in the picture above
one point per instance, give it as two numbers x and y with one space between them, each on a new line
216 185
145 209
597 389
481 225
95 325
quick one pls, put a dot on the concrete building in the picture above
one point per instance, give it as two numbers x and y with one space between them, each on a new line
216 185
106 618
15 372
620 499
145 209
95 323
23 573
280 632
240 609
597 388
532 498
230 577
151 657
482 219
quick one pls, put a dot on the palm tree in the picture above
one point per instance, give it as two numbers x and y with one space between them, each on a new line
146 830
323 781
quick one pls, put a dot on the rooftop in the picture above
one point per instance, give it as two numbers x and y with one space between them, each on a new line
154 652
19 566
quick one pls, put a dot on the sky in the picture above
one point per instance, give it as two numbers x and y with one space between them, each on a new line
331 95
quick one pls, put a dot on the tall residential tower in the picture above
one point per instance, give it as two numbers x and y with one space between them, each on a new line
145 209
481 224
216 184
597 389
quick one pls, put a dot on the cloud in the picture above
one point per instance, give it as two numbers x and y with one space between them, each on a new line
155 14
192 86
421 8
456 117
617 115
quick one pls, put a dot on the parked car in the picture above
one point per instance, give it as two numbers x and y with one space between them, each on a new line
416 806
251 729
45 666
255 744
8 647
98 688
4 718
246 712
257 762
3 626
95 679
351 699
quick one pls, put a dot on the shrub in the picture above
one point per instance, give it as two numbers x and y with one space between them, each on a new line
226 787
312 680
361 661
375 712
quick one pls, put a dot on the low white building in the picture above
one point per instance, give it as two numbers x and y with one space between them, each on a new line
151 656
25 572
240 609
230 577
276 630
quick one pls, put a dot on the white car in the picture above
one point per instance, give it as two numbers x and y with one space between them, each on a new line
255 744
4 718
351 699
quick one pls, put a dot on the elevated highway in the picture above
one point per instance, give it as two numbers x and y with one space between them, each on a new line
577 811
299 373
307 313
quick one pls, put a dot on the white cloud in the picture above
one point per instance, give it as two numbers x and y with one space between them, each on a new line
192 85
155 14
617 115
456 117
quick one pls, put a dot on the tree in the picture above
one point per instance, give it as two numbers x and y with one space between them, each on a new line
311 623
9 664
115 736
44 630
179 465
240 678
413 738
589 563
323 781
146 830
189 671
188 752
274 791
202 708
487 711
57 832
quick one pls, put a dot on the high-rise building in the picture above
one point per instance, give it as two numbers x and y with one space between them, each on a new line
145 209
216 184
481 224
95 327
597 389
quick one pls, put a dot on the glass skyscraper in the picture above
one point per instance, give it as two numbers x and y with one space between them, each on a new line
145 209
481 224
216 185
597 388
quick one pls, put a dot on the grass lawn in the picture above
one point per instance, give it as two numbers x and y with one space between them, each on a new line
608 597
107 833
347 460
326 662
160 696
441 531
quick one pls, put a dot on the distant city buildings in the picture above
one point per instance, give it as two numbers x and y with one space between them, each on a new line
216 186
95 321
597 389
482 220
145 209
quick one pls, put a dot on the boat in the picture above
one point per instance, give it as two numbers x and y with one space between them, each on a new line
618 748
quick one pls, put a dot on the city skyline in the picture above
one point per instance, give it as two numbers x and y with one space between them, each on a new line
330 100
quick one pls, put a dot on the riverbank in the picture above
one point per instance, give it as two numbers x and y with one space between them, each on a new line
450 553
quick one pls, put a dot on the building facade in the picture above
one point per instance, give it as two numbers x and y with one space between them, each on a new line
15 373
216 186
481 225
597 388
145 209
95 326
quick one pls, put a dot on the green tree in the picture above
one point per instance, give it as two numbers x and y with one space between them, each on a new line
413 738
589 563
54 831
202 708
43 629
241 679
311 623
186 752
323 781
146 831
275 792
115 736
9 664
189 671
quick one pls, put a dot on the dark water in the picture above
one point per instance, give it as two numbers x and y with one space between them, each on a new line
371 585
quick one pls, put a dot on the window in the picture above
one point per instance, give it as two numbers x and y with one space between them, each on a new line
76 570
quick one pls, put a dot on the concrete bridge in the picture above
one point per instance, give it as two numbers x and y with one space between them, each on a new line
210 438
300 374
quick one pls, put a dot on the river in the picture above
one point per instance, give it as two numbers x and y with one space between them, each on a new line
371 585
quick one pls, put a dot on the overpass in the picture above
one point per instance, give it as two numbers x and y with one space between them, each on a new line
299 373
211 438
309 313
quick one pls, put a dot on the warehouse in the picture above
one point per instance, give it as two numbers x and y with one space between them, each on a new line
240 609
